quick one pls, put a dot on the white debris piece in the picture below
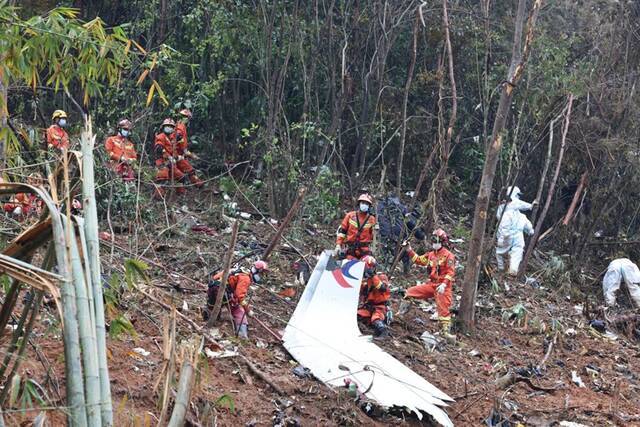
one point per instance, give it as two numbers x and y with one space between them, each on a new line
245 215
576 379
141 351
323 335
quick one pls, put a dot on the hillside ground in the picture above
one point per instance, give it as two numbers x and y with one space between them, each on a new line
516 325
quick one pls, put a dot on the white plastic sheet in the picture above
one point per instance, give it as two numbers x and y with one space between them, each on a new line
323 335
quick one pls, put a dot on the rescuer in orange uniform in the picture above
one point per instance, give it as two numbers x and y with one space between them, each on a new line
23 205
441 264
182 138
57 137
121 151
238 284
166 153
374 298
355 233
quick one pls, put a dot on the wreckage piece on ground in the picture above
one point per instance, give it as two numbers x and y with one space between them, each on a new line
323 335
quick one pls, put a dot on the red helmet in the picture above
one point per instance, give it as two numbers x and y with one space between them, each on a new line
369 261
168 122
186 112
439 236
125 124
261 265
365 198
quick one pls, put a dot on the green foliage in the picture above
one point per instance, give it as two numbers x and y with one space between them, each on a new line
321 205
135 271
26 393
121 325
226 401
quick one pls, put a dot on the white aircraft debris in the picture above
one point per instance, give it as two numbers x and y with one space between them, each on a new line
323 335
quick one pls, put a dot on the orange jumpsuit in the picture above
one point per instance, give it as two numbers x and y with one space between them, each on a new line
30 204
356 231
57 137
182 147
442 269
373 299
120 149
166 147
237 288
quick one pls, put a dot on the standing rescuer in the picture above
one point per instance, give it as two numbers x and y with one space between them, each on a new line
167 154
374 298
57 137
182 139
355 233
122 151
441 265
236 291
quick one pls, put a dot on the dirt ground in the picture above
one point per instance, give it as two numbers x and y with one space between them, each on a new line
228 393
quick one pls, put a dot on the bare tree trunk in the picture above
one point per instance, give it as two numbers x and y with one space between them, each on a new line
519 58
547 162
576 198
405 100
284 224
552 188
3 122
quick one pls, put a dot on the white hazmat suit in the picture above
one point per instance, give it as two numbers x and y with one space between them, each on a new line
514 203
619 269
510 237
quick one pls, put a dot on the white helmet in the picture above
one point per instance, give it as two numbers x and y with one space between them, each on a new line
514 192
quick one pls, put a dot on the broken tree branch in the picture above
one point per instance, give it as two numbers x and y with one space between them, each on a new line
225 275
576 198
285 223
258 373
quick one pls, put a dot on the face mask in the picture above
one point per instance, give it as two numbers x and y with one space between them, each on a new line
168 129
257 278
364 207
436 246
124 132
369 272
62 123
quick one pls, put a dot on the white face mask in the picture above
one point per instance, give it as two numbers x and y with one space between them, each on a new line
168 129
436 246
62 123
364 207
124 132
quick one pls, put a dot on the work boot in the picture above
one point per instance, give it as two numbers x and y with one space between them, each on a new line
158 192
445 330
243 332
380 329
196 181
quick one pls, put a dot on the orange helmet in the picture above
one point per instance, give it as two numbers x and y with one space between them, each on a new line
186 113
168 122
365 198
125 124
439 236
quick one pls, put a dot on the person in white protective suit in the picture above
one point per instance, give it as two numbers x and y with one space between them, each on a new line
619 269
514 194
513 224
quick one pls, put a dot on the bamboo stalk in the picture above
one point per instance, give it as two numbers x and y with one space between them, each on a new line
87 336
183 396
87 270
91 232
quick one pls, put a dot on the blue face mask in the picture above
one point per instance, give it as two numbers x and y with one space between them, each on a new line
62 123
168 129
364 207
124 132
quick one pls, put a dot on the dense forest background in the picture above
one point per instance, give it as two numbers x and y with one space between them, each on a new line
359 94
